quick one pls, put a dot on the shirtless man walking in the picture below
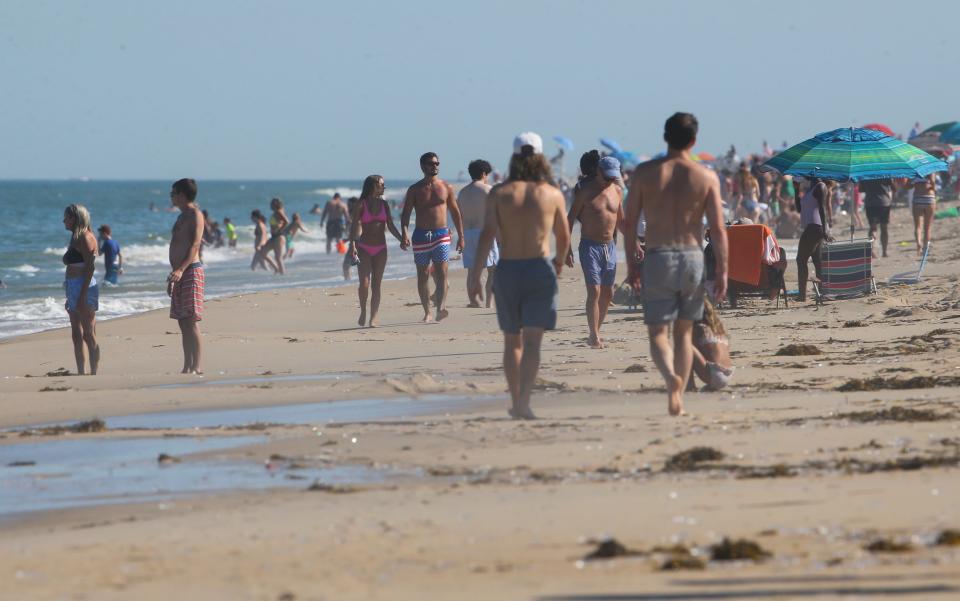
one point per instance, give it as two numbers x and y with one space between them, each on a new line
598 205
431 198
675 193
185 282
472 202
525 210
335 215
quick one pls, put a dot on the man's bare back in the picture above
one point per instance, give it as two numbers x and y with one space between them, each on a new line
674 192
598 207
472 201
526 213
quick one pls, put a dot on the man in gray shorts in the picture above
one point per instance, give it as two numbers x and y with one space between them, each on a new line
525 209
675 193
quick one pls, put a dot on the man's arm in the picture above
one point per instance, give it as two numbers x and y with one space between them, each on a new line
119 260
575 209
561 231
484 244
324 213
630 246
454 209
718 238
405 219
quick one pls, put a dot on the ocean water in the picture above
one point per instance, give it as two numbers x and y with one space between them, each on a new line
34 241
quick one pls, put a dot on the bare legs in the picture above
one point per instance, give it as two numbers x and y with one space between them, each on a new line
83 331
190 331
440 277
598 301
370 272
488 287
808 248
674 362
279 245
423 287
474 301
922 224
260 259
521 361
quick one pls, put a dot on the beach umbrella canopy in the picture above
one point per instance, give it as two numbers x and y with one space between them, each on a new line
930 142
706 156
949 131
940 127
880 127
855 154
611 144
564 142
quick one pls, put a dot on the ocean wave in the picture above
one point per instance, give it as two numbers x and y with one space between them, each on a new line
344 191
39 314
25 268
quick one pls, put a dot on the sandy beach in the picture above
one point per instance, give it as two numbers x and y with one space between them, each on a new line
813 457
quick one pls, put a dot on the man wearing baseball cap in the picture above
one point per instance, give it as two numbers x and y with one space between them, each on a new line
525 209
598 206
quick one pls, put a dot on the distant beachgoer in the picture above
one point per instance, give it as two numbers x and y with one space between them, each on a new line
878 198
368 244
525 210
813 217
748 196
83 294
296 225
598 206
260 256
186 280
231 232
431 198
711 350
472 201
112 257
335 215
675 193
277 242
924 203
348 259
589 162
153 207
316 210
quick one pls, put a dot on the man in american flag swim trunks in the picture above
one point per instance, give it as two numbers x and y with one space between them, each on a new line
431 198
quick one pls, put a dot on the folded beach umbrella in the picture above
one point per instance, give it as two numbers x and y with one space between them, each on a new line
564 142
880 127
855 154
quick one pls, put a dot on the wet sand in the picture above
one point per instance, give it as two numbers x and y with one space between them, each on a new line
493 508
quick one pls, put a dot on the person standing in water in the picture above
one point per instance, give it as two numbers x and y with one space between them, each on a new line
112 257
675 193
260 257
598 205
231 232
335 214
186 280
525 210
472 202
431 198
368 244
83 295
296 226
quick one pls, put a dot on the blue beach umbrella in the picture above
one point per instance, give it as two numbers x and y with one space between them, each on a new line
564 142
611 144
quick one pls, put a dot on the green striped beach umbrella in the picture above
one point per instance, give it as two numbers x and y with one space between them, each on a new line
854 154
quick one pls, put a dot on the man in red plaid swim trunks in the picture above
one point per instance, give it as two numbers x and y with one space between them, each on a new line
185 282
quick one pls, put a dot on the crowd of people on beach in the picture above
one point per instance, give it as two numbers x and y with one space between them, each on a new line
663 208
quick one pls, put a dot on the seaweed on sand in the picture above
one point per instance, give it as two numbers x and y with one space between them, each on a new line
888 545
94 425
732 550
881 383
609 548
686 461
794 350
893 414
948 538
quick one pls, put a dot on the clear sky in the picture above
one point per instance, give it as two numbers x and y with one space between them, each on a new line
327 90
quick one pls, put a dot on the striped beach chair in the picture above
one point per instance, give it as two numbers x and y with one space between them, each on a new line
846 270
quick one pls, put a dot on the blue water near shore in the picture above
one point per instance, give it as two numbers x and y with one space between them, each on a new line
34 242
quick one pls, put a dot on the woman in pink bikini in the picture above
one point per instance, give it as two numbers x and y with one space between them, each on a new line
368 244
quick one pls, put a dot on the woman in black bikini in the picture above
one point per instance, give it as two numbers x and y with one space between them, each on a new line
368 244
83 295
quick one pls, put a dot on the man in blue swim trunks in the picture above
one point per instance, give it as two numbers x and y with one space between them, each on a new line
525 210
598 206
675 193
431 198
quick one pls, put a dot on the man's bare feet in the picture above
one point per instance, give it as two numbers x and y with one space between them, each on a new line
363 318
474 305
442 314
595 342
427 318
374 322
675 396
524 413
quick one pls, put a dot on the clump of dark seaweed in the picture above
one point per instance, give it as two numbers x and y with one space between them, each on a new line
881 383
948 538
338 489
609 548
688 460
732 550
888 545
893 414
94 425
795 350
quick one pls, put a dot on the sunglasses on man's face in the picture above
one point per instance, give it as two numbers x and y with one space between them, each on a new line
434 163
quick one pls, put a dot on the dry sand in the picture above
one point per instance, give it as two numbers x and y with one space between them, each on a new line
504 509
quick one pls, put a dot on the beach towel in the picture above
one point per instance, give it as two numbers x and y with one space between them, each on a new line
750 247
